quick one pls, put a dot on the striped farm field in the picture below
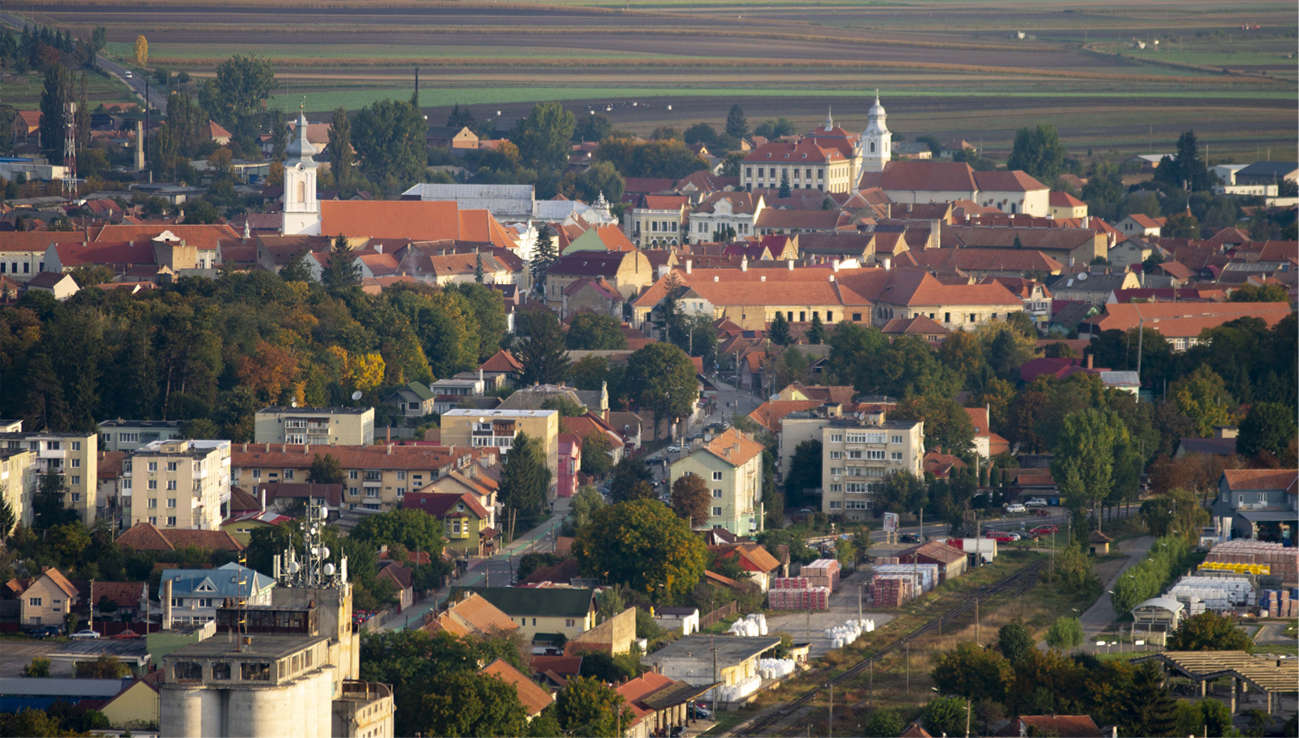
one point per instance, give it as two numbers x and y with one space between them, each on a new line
973 69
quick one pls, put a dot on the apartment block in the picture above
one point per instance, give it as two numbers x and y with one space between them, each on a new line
857 455
317 426
18 482
129 435
73 456
731 466
178 484
498 429
374 477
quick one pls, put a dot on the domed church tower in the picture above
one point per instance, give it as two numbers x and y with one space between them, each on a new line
301 209
876 143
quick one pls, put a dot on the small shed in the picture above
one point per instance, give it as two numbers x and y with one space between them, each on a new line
1099 543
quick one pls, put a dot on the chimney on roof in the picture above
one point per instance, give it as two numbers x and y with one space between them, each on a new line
887 262
744 263
263 499
245 447
689 265
1090 359
268 447
790 263
390 449
835 265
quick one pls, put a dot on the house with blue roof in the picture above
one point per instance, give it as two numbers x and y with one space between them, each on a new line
197 593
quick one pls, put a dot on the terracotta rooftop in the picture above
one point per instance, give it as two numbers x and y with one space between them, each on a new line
1262 479
733 447
472 615
533 697
146 537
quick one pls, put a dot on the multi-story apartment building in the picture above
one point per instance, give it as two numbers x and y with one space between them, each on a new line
731 466
177 484
316 426
374 477
73 456
857 455
18 483
498 429
129 435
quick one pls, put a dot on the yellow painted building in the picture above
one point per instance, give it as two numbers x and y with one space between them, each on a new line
18 482
731 467
134 708
73 456
498 429
564 611
317 426
47 600
177 484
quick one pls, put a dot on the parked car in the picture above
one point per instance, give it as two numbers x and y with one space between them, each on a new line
702 713
84 634
1015 508
674 449
1036 502
1001 536
909 538
1044 530
45 631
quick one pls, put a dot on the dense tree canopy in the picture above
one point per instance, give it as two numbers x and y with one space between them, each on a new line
643 545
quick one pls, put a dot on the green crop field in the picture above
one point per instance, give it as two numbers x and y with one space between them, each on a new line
160 53
23 91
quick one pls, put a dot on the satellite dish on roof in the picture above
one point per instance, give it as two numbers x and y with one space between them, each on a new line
1082 276
356 395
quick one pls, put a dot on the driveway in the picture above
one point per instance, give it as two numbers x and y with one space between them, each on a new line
1100 615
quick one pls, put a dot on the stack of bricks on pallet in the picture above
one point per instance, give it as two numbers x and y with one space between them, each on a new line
1282 561
886 560
1282 603
925 575
822 573
799 598
893 590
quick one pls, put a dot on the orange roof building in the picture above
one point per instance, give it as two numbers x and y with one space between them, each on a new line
533 698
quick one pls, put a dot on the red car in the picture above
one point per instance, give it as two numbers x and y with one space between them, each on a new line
1001 537
1044 530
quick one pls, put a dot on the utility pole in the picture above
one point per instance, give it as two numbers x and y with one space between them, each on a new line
712 643
831 729
976 619
908 669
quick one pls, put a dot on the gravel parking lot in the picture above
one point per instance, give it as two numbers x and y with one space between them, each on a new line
843 607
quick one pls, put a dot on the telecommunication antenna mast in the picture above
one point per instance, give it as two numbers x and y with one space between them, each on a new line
70 152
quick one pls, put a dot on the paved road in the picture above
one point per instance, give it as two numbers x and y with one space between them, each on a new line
1099 616
157 100
496 571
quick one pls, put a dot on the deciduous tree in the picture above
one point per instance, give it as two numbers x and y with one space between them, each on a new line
1038 152
595 454
325 470
55 96
973 673
414 529
388 136
141 51
1269 426
543 137
690 499
589 708
1065 633
1210 631
644 546
236 95
594 332
666 380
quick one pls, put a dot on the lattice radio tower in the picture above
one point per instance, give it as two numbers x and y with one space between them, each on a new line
70 153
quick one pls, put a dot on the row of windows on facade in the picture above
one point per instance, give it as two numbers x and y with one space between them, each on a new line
802 315
352 474
36 602
740 228
48 445
859 488
27 267
862 438
171 521
784 173
171 485
655 226
152 466
850 504
249 671
868 455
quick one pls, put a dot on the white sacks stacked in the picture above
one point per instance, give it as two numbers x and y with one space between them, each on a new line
751 626
740 689
775 668
1216 593
843 635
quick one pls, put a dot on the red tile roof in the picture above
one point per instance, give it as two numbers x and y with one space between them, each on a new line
38 241
1261 479
441 504
802 151
1185 319
923 176
770 413
393 456
1013 181
533 697
202 237
733 447
1065 200
415 219
502 361
146 537
1012 260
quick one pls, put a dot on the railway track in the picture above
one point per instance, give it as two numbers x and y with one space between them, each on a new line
1023 579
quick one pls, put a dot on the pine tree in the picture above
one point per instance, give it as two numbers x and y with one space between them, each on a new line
82 118
543 256
816 333
297 269
784 185
525 481
544 355
778 331
736 124
1018 244
478 267
460 118
1149 708
342 271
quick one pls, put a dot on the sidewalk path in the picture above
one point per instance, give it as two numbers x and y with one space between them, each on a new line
539 539
1099 616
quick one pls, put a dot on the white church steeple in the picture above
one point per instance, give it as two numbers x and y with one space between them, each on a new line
876 142
301 209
